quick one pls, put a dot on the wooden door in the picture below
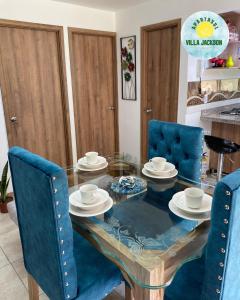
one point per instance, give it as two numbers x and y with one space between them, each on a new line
93 65
32 79
160 47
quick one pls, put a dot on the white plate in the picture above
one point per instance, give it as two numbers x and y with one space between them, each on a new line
95 212
75 200
168 168
180 202
82 168
184 215
100 161
171 174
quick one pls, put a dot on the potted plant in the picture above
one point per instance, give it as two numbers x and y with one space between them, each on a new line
4 197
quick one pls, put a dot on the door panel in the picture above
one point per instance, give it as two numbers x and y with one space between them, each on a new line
93 64
160 75
33 89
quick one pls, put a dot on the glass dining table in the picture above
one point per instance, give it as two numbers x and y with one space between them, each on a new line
139 233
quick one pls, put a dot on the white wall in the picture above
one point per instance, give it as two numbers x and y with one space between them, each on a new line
55 13
128 22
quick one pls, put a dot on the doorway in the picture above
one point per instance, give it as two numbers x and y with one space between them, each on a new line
33 86
160 60
93 66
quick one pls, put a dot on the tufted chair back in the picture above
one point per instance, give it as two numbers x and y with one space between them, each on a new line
41 193
222 253
180 144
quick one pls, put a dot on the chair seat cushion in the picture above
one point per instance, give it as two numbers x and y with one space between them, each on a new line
97 275
187 283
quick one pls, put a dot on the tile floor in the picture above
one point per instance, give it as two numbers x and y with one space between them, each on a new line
13 277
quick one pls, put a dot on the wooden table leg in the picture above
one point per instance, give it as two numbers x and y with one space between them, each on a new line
128 293
33 290
138 293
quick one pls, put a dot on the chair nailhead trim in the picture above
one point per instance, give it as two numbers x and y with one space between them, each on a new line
225 221
60 228
223 235
59 216
66 273
228 193
65 263
217 291
55 191
67 284
54 178
221 264
223 250
61 241
227 207
57 203
63 252
219 277
68 296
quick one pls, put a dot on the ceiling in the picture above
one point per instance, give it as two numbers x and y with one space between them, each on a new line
112 5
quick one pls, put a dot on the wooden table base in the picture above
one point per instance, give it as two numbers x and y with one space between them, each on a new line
138 293
33 289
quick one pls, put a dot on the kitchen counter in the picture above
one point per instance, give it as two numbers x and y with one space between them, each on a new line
214 115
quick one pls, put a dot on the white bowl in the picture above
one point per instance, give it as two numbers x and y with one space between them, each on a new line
165 172
100 161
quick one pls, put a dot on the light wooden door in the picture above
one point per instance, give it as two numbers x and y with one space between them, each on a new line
160 46
33 86
93 64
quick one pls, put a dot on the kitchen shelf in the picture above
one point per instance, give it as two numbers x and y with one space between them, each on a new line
221 73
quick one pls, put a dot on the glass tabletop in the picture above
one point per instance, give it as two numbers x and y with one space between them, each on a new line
140 233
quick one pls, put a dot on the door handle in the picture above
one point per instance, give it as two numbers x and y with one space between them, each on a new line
13 119
148 110
111 108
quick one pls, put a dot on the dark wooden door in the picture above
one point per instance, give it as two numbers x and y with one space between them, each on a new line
160 48
93 64
32 79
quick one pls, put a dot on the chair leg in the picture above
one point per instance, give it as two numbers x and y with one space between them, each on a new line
33 290
128 293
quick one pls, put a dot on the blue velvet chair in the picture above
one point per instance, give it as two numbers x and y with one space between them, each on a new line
62 262
180 144
215 275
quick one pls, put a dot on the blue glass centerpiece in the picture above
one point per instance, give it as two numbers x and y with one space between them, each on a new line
128 185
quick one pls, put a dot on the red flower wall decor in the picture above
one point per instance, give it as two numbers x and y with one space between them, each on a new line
128 67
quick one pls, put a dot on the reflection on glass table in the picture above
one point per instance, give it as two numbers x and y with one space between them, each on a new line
140 233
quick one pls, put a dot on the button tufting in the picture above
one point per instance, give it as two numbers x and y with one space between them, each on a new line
54 178
221 264
59 216
67 284
66 273
228 193
225 221
227 207
68 296
217 291
55 191
61 241
60 229
223 250
57 202
219 277
65 263
223 235
63 252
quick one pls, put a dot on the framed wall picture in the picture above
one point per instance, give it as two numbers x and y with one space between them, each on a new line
128 67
